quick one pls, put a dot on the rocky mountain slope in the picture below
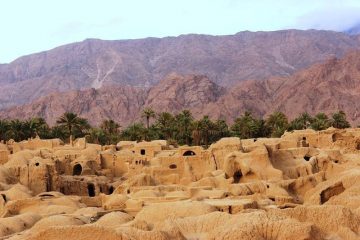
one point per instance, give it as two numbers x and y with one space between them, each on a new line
120 103
124 104
226 60
326 87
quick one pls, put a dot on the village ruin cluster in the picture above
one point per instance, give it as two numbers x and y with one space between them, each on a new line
304 185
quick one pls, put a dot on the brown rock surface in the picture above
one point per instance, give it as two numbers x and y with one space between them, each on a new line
327 87
224 59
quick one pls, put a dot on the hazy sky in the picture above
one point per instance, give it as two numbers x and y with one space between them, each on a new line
29 26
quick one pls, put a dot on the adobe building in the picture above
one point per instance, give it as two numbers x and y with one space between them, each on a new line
143 189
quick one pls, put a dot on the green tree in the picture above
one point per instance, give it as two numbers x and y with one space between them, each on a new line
183 126
303 121
196 132
338 120
277 123
38 127
207 130
17 130
74 124
148 113
59 132
111 131
221 130
247 126
4 127
320 122
135 132
165 123
97 136
153 133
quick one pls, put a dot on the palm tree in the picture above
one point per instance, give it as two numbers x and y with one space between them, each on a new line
135 132
196 132
278 123
320 122
339 120
58 132
16 130
38 127
97 136
247 126
183 122
111 130
304 121
72 122
147 114
221 130
4 127
207 129
263 130
110 126
165 123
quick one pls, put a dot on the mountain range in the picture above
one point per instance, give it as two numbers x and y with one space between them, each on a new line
327 87
220 76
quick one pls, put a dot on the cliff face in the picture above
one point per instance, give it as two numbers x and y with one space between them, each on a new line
323 88
122 104
327 87
177 92
226 60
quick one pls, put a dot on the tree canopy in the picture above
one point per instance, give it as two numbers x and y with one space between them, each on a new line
181 128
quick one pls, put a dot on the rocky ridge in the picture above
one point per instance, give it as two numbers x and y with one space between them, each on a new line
226 60
327 87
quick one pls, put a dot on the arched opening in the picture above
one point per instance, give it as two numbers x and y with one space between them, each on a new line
77 169
189 153
91 190
111 189
336 136
37 164
237 176
142 151
304 138
307 158
172 166
47 195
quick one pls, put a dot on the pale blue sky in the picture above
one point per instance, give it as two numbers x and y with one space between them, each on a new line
29 26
